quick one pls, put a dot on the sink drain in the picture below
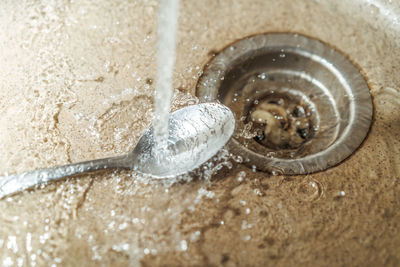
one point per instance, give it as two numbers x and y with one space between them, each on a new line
300 105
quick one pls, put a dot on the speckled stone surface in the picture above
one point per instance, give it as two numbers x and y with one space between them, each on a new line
77 82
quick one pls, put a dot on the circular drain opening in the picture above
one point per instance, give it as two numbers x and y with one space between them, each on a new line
300 105
279 120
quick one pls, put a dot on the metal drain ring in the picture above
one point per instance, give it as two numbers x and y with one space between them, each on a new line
340 94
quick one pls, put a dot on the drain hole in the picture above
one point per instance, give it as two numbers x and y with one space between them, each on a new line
281 121
277 119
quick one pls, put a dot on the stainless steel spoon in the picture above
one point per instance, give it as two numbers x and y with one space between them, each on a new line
196 133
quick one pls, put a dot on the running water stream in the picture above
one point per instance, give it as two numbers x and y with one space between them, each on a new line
167 27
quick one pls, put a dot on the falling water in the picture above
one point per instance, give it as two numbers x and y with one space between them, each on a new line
167 26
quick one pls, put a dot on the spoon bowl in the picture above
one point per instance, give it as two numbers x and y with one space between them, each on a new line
196 133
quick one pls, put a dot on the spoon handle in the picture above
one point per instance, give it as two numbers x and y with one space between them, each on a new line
16 183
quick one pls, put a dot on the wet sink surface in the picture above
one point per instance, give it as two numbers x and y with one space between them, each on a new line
77 84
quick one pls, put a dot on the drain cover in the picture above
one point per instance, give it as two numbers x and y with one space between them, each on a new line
300 105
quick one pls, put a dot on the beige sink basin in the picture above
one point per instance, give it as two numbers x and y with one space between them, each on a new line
77 84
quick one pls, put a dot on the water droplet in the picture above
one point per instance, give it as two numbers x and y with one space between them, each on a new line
238 159
276 172
339 194
254 168
309 190
184 245
229 165
8 262
257 192
247 238
262 76
240 176
44 176
195 236
123 226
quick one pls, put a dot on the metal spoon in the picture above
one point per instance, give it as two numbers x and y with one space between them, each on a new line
196 133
